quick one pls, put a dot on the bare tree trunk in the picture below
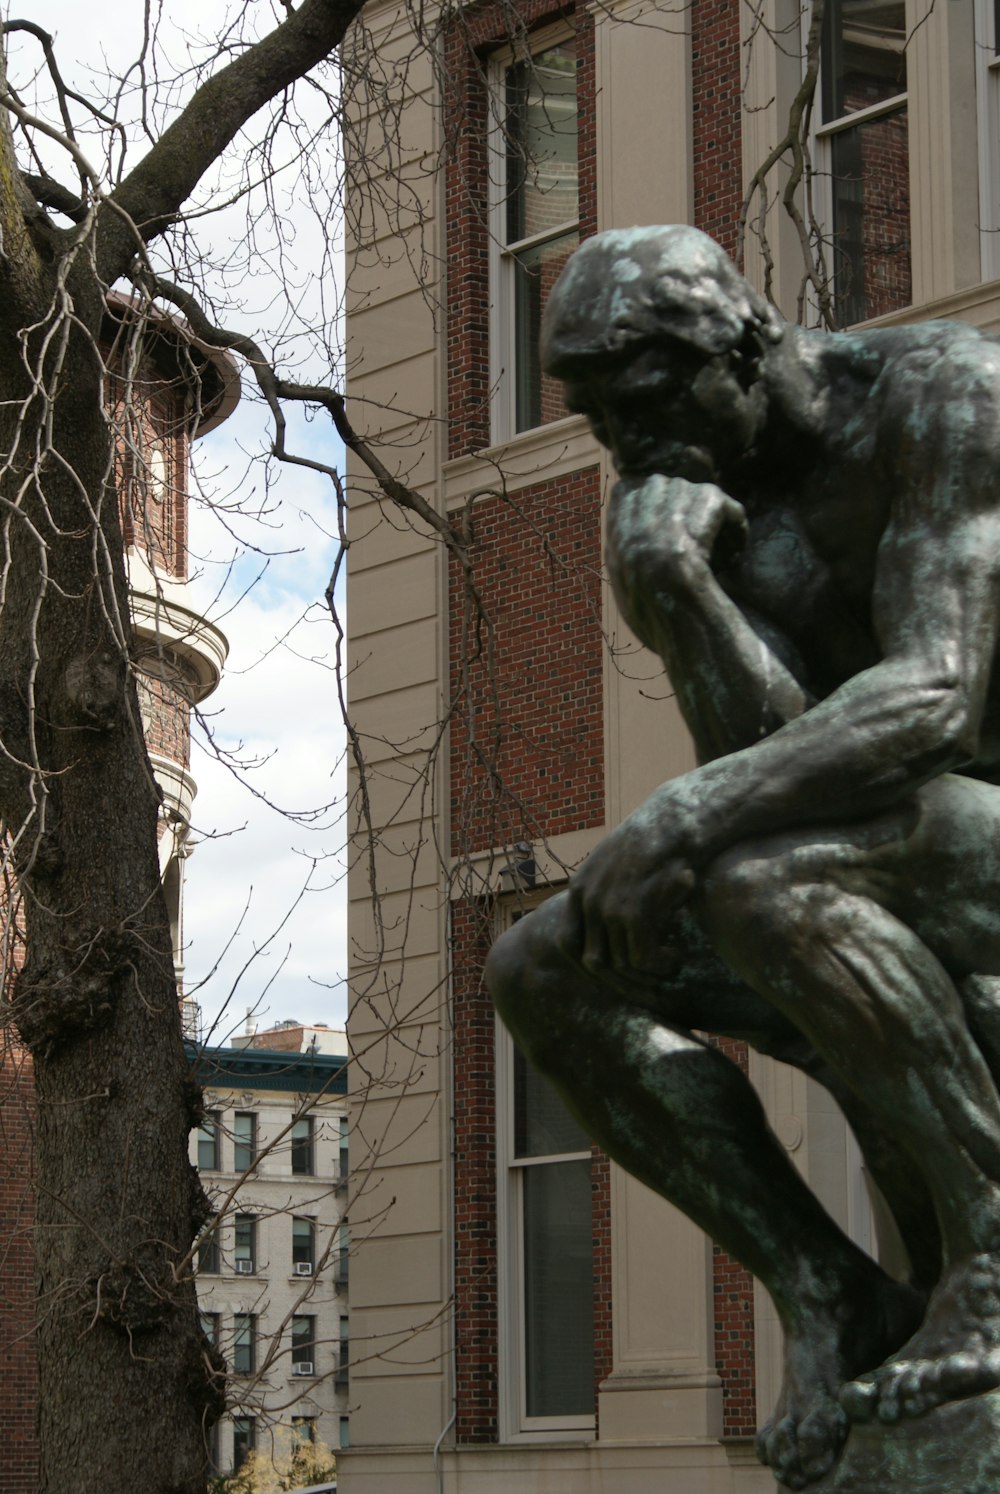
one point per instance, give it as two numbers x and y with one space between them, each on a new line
125 1378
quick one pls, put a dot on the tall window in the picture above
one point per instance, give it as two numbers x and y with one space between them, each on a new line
343 1265
245 1248
302 1146
208 1251
303 1430
303 1344
303 1247
536 224
344 1165
863 156
342 1374
547 1269
244 1140
244 1343
244 1439
208 1143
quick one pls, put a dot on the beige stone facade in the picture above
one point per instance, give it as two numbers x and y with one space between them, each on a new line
660 1421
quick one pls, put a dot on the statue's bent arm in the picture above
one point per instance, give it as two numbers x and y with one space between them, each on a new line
865 747
736 678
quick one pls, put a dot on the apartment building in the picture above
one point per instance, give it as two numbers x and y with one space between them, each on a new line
524 1314
273 1266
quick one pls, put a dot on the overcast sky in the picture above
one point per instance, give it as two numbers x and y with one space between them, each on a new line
277 703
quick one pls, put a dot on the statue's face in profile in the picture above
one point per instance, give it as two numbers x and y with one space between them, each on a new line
667 409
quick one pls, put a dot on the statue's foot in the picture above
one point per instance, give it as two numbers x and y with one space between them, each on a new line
802 1440
955 1352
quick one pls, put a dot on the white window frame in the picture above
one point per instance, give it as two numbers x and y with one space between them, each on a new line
515 1424
502 326
988 124
821 136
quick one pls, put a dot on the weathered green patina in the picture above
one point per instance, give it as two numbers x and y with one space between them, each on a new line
806 529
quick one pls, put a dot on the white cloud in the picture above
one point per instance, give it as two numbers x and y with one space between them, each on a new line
263 827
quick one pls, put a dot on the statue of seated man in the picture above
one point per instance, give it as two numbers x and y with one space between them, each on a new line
806 530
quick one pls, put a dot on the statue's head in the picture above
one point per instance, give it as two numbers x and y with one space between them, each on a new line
659 341
634 288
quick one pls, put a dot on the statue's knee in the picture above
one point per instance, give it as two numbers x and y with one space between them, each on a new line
527 977
508 969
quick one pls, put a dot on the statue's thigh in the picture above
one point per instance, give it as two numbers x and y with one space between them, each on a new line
932 862
541 986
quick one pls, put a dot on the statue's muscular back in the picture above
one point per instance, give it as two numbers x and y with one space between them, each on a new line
885 460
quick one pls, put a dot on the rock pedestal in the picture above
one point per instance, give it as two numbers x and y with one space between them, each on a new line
953 1450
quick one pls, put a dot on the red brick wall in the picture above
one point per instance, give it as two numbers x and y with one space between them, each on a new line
527 739
167 717
154 516
734 1315
600 1182
18 1371
476 1327
716 89
716 84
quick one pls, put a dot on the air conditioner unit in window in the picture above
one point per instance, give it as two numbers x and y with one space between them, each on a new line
244 1268
304 1367
303 1268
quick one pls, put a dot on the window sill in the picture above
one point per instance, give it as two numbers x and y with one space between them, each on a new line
537 455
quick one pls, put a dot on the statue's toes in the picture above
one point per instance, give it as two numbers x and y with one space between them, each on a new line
777 1447
820 1437
964 1374
859 1399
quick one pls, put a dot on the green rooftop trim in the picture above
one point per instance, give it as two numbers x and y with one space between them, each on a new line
263 1068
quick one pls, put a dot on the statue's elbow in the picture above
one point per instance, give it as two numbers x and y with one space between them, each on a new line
958 724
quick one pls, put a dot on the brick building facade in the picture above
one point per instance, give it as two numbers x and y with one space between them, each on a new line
163 391
555 724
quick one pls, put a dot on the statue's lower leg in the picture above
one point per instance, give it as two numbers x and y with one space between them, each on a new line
883 1013
678 1115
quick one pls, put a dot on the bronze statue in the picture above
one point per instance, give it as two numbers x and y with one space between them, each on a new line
806 530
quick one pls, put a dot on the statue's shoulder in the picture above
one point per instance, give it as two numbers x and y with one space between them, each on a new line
935 367
934 350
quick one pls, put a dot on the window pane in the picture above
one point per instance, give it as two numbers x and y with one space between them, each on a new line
342 1374
208 1143
870 256
558 1290
302 1242
542 169
245 1233
538 398
303 1339
208 1253
543 1127
864 54
243 1343
244 1437
244 1141
302 1146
